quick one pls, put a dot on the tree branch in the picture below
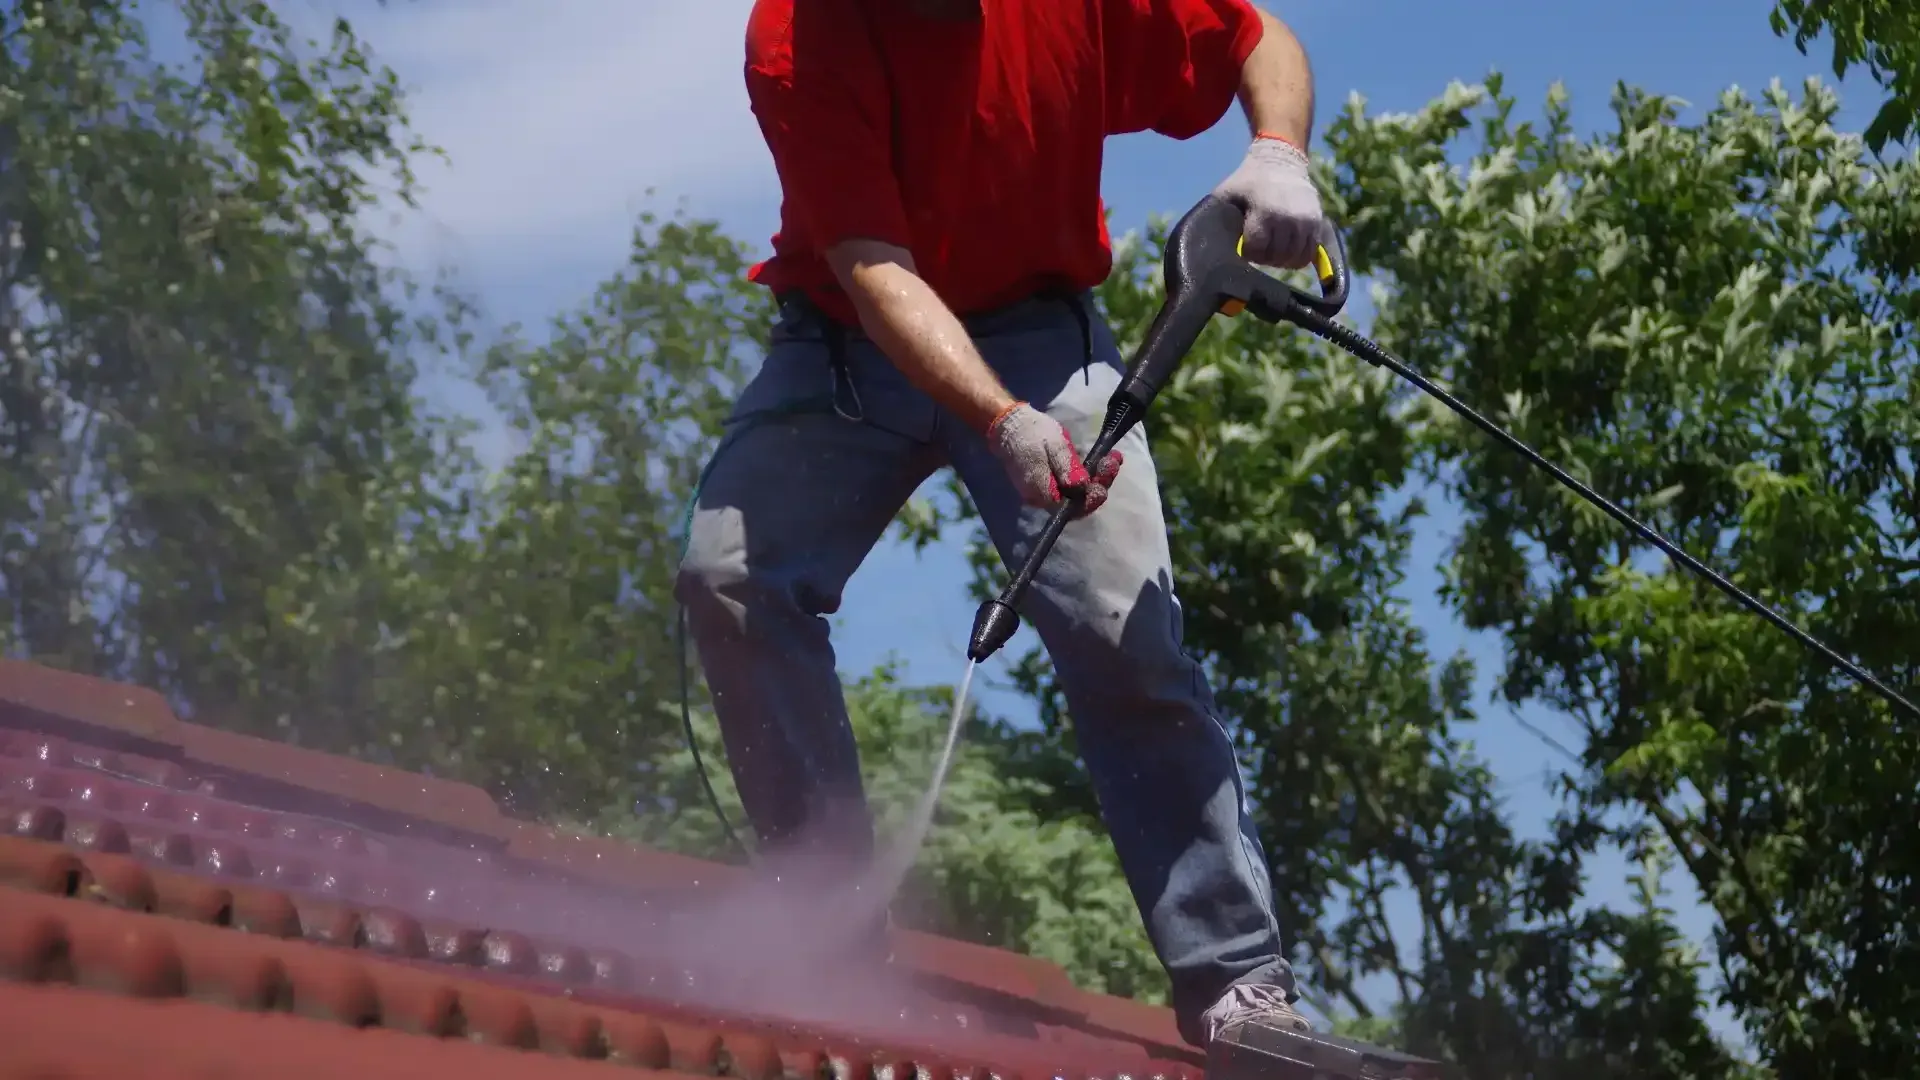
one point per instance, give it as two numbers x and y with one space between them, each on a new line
1340 982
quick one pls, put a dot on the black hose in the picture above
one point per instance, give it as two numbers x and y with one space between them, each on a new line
1373 354
693 744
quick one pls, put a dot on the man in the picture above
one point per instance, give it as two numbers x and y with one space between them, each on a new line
940 231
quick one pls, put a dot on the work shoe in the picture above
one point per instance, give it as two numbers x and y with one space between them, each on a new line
1251 1003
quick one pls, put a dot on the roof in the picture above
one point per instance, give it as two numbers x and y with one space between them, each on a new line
214 900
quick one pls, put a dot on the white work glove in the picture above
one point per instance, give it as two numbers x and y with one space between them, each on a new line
1040 457
1274 189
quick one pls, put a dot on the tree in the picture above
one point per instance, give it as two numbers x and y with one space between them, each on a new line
1710 321
1882 36
206 416
549 674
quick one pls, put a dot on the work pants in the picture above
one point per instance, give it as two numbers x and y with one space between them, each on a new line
795 499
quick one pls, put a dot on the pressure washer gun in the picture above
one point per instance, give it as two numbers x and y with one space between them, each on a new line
1206 275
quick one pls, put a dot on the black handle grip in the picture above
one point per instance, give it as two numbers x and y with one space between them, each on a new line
1216 227
1205 275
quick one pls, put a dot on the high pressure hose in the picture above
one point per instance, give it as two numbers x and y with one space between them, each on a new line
693 742
1367 350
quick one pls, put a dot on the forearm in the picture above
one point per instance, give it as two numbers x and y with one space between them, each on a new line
917 331
1276 85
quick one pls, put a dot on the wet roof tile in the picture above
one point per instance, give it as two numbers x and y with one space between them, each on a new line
56 1032
154 858
140 936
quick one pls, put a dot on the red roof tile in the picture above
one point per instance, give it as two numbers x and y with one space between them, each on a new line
164 860
57 1032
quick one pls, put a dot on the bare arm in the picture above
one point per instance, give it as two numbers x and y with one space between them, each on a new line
917 331
1276 85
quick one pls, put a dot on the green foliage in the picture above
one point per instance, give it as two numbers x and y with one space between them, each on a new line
554 582
1882 36
205 408
1707 320
1710 321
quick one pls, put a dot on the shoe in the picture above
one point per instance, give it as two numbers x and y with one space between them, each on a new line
1252 1003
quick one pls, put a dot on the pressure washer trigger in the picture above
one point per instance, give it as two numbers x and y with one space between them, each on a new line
1330 266
1232 306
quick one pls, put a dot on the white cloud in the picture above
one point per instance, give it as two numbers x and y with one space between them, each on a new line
558 117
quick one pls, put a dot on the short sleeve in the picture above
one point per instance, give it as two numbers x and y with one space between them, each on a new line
820 95
1173 66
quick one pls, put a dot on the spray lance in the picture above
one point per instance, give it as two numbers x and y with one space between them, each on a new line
1205 274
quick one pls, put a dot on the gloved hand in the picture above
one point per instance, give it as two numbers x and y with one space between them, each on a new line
1274 189
1040 457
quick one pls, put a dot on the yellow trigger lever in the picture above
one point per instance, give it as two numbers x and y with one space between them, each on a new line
1322 265
1232 307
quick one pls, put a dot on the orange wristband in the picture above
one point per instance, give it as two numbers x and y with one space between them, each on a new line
1004 413
1281 139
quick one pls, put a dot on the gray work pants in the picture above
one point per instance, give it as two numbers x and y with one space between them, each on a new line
791 507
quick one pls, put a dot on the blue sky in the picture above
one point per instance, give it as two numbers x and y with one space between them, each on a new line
559 123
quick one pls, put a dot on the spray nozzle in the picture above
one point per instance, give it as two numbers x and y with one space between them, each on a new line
993 626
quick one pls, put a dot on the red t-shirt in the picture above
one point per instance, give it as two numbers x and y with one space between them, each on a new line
975 144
